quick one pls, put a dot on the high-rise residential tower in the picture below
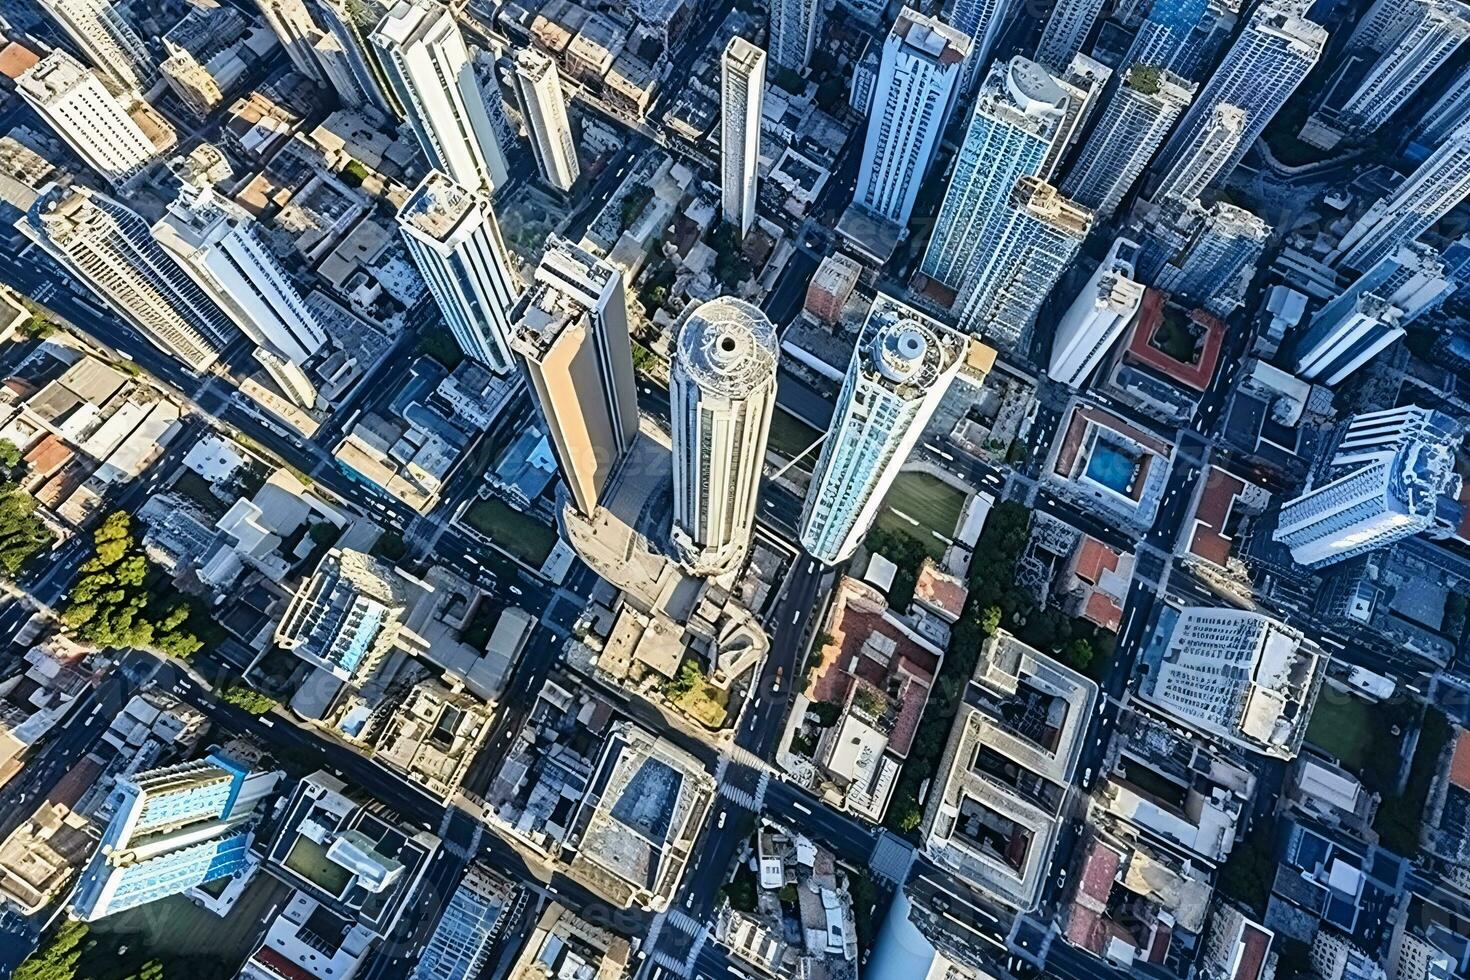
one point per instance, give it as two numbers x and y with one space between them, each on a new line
106 38
1447 114
349 23
109 248
1391 475
1205 157
1383 24
1265 65
1371 314
1083 83
217 243
1012 130
981 21
95 125
572 332
1164 35
544 107
1130 129
795 25
1066 31
298 33
901 367
429 67
917 79
721 395
742 91
452 234
1437 31
1428 194
1103 309
1225 240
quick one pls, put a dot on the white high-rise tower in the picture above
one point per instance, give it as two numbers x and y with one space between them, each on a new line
429 68
795 25
1438 30
108 41
742 91
1209 151
452 234
1083 82
722 393
544 107
901 367
1066 31
1098 316
82 112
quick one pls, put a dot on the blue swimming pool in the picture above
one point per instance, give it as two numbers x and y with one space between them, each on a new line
1111 467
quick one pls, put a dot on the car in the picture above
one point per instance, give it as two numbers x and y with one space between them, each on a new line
1087 778
720 824
298 443
514 590
776 684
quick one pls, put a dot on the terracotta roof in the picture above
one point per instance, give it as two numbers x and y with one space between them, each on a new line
1094 558
1208 539
1103 611
1099 868
1257 943
1085 929
1160 948
943 592
279 965
47 455
1460 762
16 60
1139 348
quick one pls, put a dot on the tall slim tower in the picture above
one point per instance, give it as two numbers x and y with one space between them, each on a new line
900 369
1038 238
1392 475
1425 196
1372 313
1265 65
107 40
572 332
1163 36
544 107
1098 316
981 21
452 234
1010 134
795 25
93 123
1383 24
1131 128
1066 31
349 24
917 79
217 244
722 393
429 67
1225 240
742 89
1438 30
1083 83
1205 157
109 248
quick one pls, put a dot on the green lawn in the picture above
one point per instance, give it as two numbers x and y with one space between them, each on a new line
790 435
1342 727
309 859
927 499
524 537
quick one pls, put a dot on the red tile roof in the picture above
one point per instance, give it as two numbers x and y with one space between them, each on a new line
940 590
46 456
1460 762
16 60
1257 943
1103 611
1140 349
1094 558
1208 539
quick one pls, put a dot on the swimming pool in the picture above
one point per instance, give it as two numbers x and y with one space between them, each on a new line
1111 467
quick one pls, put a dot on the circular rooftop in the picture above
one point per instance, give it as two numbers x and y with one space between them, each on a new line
728 347
1032 86
901 348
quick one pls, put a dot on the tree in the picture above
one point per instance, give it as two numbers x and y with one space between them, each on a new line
247 699
1079 654
23 535
687 679
904 814
354 173
10 456
57 958
990 620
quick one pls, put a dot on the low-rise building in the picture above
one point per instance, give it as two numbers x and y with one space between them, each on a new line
1167 359
1103 462
1236 947
565 945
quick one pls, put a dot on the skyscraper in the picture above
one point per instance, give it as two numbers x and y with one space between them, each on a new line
1224 242
1098 316
1425 196
795 25
1132 126
94 124
721 395
429 67
298 33
1066 31
1205 157
544 108
1438 29
349 24
452 234
1083 83
1013 127
1164 35
901 367
1448 113
1371 314
742 90
981 21
217 244
917 78
1040 234
1383 24
572 331
102 32
109 248
1265 65
1391 475
172 829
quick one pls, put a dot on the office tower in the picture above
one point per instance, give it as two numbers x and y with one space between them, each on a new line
742 89
1438 30
1383 24
452 234
465 937
107 40
981 21
1205 157
1132 126
721 396
298 33
1083 83
795 25
1372 313
1265 65
1428 194
1098 316
1449 112
572 331
1240 677
900 369
1039 235
429 67
1164 35
109 248
1202 48
350 24
917 76
94 124
218 244
544 108
172 829
1066 31
1014 124
1391 475
1225 241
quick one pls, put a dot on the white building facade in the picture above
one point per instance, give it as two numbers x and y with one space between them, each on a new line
104 35
1205 157
1103 309
544 108
74 103
742 92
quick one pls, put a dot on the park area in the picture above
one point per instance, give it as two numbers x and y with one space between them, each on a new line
921 506
523 538
1342 727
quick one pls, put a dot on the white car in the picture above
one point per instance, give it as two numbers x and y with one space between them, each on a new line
720 824
514 590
